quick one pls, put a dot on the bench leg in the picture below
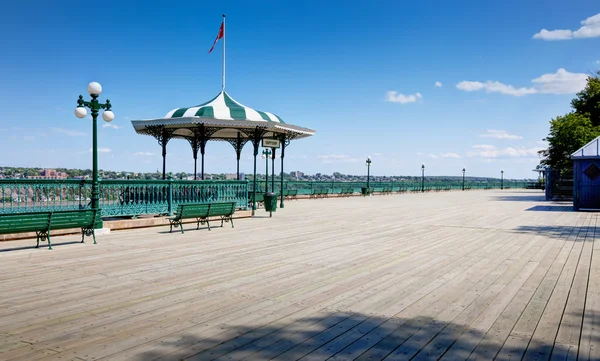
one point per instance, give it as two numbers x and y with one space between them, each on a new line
43 236
49 243
86 232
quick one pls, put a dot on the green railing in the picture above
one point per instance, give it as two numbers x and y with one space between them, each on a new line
305 187
117 197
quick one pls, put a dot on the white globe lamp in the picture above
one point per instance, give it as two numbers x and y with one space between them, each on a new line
108 116
80 112
94 88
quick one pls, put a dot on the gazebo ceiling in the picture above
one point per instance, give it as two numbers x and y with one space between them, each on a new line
227 115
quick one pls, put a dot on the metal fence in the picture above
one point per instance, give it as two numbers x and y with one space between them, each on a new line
137 197
305 187
117 197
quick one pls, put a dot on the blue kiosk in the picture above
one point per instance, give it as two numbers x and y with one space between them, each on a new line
586 177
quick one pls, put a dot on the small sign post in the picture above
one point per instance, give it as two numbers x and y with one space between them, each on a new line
271 143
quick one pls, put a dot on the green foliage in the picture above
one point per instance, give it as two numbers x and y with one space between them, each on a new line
572 131
567 134
587 101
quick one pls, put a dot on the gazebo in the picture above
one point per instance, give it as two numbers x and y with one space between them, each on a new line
222 119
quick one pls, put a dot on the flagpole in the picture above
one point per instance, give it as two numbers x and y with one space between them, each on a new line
223 80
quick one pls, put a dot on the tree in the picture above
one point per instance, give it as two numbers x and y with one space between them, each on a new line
567 134
572 131
587 101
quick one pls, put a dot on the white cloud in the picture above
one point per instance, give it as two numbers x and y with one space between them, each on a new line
341 158
333 156
499 134
69 132
561 82
102 150
484 146
127 118
394 97
590 28
110 125
494 87
450 155
378 154
438 84
486 151
443 155
143 154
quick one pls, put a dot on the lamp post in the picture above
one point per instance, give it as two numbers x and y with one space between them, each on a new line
422 177
502 179
368 164
80 112
273 169
265 155
463 187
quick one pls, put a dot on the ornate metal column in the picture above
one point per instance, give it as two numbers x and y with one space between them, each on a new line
238 144
285 141
255 137
202 135
162 135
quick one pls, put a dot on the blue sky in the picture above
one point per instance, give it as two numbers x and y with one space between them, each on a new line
362 74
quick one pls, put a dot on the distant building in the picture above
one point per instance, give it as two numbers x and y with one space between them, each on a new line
50 174
232 176
297 174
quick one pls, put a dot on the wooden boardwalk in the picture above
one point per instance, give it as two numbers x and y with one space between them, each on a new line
476 275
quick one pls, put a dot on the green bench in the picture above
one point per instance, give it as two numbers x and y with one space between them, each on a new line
260 199
320 193
290 194
202 212
347 192
43 222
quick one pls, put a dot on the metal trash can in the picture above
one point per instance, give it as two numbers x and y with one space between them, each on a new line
365 191
270 202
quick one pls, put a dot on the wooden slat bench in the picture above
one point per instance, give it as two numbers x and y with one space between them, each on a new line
202 212
43 222
347 192
290 194
260 199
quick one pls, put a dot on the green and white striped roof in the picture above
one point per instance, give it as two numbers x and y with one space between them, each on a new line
224 107
226 114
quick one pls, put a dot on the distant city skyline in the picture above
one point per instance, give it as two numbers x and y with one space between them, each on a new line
470 85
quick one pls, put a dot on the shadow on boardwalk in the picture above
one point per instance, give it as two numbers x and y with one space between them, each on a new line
552 208
522 198
346 336
577 233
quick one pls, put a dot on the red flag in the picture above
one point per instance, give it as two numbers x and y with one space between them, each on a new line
221 33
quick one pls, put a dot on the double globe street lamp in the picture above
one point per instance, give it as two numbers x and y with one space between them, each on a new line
368 164
94 105
502 179
422 177
463 186
266 153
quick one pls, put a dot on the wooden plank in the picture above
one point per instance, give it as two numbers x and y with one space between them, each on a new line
417 278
